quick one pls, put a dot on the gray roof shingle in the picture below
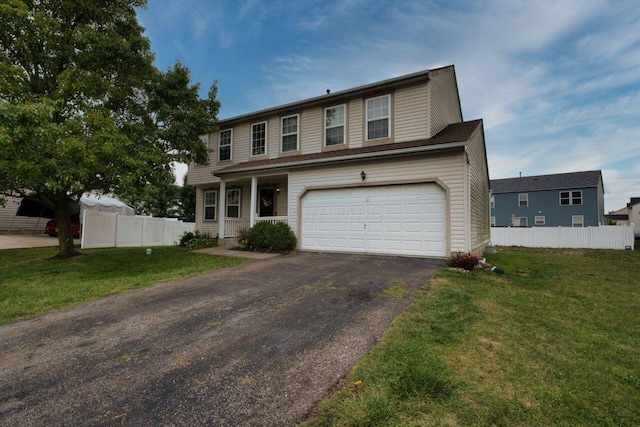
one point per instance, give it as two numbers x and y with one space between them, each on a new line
547 182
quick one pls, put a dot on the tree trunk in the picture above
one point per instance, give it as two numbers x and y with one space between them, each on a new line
63 222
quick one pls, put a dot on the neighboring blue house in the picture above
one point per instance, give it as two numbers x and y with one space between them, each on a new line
567 199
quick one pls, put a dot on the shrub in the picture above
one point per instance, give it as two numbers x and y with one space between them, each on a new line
268 237
197 240
464 261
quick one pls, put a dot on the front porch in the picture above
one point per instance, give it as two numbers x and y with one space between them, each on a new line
267 201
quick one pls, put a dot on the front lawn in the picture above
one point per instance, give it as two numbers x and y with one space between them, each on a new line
32 284
553 341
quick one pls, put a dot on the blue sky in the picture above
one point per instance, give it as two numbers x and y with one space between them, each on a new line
556 82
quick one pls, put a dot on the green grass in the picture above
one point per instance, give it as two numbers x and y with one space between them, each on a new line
31 283
553 341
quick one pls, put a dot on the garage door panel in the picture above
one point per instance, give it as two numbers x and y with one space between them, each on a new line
399 219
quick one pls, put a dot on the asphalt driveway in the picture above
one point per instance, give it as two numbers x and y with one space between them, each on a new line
255 344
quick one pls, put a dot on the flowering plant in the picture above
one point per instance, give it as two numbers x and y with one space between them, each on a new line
464 261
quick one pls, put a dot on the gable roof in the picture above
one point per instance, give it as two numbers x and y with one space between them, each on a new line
633 201
453 136
334 98
547 182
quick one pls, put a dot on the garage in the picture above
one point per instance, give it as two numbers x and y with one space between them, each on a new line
407 219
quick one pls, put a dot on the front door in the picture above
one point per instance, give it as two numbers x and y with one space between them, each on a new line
266 201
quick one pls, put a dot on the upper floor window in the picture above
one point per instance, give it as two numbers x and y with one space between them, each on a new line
540 219
259 139
233 203
224 146
378 117
334 125
210 198
571 197
523 200
492 201
492 221
290 133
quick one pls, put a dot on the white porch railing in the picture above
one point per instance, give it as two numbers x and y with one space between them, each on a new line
233 226
272 219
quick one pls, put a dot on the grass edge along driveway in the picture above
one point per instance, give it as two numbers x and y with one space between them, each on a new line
554 341
32 284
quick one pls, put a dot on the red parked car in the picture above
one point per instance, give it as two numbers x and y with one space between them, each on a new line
52 229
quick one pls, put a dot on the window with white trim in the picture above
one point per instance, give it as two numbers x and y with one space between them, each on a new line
570 198
492 201
334 125
523 200
520 221
233 203
290 133
224 144
577 221
210 198
259 139
540 219
493 221
378 114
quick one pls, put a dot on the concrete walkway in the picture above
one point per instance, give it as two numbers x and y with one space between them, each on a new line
21 241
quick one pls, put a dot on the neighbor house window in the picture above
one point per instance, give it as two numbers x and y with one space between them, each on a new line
334 125
259 139
493 221
378 117
290 133
577 221
233 203
520 222
224 146
210 198
539 220
523 200
571 197
492 201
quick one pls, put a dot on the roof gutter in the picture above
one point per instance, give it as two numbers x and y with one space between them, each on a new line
361 156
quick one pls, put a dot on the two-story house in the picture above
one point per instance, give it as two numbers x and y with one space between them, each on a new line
567 199
385 168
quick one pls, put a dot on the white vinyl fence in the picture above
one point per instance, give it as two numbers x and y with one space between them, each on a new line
603 237
109 230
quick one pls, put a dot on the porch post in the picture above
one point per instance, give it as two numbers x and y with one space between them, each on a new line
222 211
254 197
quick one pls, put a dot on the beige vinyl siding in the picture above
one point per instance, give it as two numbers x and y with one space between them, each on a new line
444 101
199 174
355 128
410 113
478 191
311 130
19 224
273 137
209 226
447 168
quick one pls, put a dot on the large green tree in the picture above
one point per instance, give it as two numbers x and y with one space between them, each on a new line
83 108
163 199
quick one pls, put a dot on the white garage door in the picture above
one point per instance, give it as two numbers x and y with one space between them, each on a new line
395 219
